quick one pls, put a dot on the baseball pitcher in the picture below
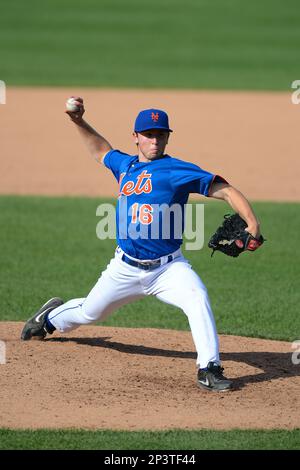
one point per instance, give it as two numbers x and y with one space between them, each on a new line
146 261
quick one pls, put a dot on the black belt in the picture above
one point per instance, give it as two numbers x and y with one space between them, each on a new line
147 265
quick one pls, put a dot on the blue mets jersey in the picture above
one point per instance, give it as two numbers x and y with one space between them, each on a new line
151 202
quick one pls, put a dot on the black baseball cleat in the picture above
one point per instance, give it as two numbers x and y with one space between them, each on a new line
213 378
36 326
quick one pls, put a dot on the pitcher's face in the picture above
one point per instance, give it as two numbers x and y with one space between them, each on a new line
151 144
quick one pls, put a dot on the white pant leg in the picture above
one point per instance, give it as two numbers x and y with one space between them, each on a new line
179 285
118 285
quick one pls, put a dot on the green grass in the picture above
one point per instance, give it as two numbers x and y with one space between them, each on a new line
166 440
213 44
49 248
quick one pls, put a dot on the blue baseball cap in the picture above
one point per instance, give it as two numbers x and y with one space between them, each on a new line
152 119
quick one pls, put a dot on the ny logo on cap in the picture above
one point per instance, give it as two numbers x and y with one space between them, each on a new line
154 117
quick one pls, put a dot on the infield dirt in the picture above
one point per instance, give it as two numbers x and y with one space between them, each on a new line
121 378
251 139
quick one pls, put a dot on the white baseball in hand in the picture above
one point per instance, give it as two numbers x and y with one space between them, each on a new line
71 105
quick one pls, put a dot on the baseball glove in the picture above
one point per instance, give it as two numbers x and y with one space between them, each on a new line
232 239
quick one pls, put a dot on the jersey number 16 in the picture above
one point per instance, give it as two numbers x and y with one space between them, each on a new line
143 214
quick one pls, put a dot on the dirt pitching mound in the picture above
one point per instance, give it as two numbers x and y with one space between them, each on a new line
133 379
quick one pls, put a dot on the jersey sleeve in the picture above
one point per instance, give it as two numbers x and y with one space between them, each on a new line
114 161
191 178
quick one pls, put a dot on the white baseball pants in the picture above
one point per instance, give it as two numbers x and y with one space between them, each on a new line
174 283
